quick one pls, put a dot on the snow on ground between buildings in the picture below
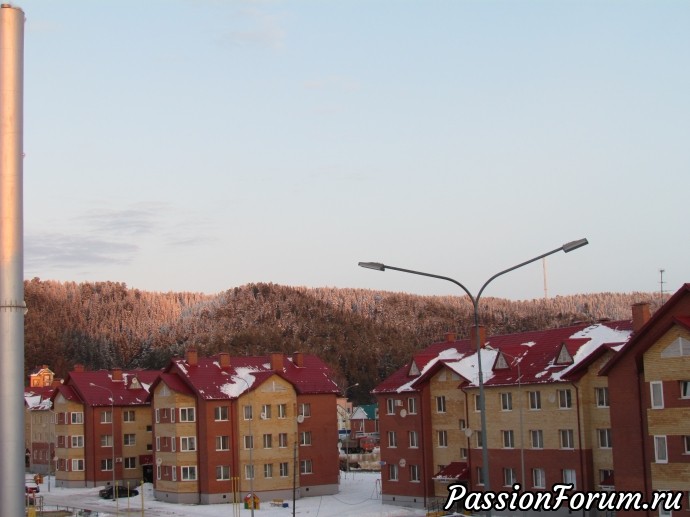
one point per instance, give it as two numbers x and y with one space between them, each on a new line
359 496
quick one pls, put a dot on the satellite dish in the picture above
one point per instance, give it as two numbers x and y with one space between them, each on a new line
159 461
300 419
468 432
552 398
402 463
403 413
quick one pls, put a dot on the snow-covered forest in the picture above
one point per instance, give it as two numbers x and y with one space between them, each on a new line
364 335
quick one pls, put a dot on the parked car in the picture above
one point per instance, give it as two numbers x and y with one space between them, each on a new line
122 491
32 487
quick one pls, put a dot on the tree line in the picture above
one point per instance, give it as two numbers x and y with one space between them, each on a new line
363 335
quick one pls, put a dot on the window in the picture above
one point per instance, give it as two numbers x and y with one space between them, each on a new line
566 437
268 441
282 410
441 404
538 478
509 477
565 400
266 411
131 463
220 413
569 477
222 472
130 439
414 473
686 444
188 443
187 414
268 470
392 439
392 472
463 453
602 396
284 469
107 464
442 438
248 442
158 443
107 417
77 464
508 439
248 413
282 440
660 452
535 400
414 439
249 472
506 401
305 410
477 403
412 406
479 439
480 476
657 391
536 437
305 438
305 467
685 389
461 424
77 442
77 418
604 438
129 415
605 475
222 443
390 406
173 472
188 473
106 440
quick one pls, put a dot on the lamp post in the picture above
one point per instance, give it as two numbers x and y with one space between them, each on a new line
377 266
112 427
251 460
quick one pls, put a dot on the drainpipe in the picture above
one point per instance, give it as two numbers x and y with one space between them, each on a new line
579 437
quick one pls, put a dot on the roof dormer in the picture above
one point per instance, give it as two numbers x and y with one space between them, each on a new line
679 347
414 370
500 363
564 356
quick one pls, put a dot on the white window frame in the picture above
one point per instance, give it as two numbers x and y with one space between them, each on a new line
282 440
107 417
265 411
248 441
441 404
129 415
442 438
282 410
248 412
538 478
223 442
222 472
284 468
188 443
393 472
660 449
187 473
604 436
392 439
565 399
601 395
108 464
306 467
129 439
130 462
534 400
305 438
77 441
536 436
414 474
684 389
506 401
656 393
187 414
508 439
412 406
570 476
221 413
76 418
509 476
77 464
268 441
268 470
106 440
566 438
249 472
413 439
305 409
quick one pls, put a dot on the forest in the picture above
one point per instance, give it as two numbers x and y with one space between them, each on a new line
363 335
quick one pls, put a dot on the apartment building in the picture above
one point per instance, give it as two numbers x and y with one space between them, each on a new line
649 388
547 413
103 429
39 422
265 425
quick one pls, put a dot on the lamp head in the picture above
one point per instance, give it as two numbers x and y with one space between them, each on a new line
573 245
376 266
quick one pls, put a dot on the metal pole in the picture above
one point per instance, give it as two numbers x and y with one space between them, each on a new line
12 305
251 459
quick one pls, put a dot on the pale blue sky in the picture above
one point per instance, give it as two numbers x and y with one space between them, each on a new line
206 144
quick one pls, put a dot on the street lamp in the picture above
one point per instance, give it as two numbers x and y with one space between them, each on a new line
112 427
567 248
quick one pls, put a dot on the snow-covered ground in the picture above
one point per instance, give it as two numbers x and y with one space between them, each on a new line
359 496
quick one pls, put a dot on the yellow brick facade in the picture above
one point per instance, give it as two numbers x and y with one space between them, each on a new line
65 474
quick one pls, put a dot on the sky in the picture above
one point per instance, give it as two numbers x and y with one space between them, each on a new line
199 146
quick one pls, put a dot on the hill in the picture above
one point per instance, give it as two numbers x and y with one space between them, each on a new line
364 335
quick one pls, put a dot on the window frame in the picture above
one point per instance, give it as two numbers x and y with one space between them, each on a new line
538 478
187 411
534 400
601 396
656 402
565 398
506 401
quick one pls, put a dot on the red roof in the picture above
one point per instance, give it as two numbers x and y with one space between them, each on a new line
530 356
211 381
454 471
97 388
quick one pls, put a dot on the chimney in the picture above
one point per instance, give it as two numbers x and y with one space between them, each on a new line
276 361
298 359
224 359
482 335
450 337
117 374
640 315
192 357
78 368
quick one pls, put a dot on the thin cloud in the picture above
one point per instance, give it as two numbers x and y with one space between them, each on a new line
50 251
262 30
131 221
